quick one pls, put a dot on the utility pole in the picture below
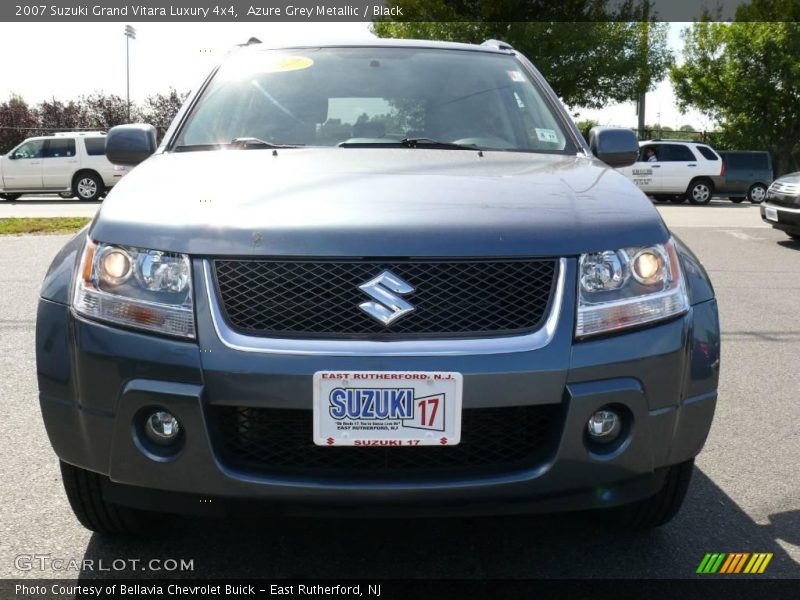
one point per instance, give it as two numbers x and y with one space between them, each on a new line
644 74
130 34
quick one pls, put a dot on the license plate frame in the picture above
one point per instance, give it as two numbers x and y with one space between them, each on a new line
387 408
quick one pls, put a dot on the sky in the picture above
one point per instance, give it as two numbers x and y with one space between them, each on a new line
80 58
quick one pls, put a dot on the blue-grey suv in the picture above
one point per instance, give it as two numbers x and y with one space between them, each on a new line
375 279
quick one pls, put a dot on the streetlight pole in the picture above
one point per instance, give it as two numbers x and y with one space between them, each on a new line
644 74
130 34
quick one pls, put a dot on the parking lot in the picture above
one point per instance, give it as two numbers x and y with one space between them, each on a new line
30 206
744 496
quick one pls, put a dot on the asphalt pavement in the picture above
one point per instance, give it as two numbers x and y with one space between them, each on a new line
48 206
744 496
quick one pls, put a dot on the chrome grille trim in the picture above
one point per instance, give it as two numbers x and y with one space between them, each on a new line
430 347
789 189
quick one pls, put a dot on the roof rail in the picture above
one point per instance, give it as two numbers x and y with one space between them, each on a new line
69 133
500 45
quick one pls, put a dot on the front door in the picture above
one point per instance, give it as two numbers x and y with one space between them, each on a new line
22 168
645 173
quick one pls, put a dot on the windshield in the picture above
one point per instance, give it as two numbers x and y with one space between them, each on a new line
374 96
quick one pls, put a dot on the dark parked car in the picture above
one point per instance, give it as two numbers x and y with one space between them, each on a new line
747 176
377 278
782 207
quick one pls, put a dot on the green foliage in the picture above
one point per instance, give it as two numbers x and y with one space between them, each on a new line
588 64
585 125
18 226
746 75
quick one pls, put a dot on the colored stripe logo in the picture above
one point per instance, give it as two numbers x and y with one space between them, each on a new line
734 562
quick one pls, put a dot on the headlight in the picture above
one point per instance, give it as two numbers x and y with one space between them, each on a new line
625 288
145 289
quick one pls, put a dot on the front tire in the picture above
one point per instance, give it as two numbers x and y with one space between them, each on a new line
795 236
10 197
757 193
700 192
85 496
88 186
660 508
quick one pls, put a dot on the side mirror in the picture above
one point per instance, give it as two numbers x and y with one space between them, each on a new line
130 144
12 156
614 146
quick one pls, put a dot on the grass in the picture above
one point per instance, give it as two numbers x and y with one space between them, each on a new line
16 226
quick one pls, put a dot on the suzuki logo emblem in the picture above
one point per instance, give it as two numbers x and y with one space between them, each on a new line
388 306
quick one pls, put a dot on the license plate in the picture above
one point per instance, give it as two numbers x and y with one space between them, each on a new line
771 213
387 408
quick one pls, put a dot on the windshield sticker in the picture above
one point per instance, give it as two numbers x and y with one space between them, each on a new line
288 63
516 76
546 135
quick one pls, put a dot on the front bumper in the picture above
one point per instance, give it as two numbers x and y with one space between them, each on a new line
788 217
94 379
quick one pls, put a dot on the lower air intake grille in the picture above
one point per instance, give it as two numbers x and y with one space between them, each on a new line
279 441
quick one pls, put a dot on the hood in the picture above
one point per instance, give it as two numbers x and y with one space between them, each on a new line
790 178
376 202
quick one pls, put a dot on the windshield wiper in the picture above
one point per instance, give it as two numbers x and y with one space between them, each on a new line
253 142
241 143
415 142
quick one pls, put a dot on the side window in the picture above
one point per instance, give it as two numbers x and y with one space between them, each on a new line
651 153
676 153
32 149
60 148
735 161
707 152
95 146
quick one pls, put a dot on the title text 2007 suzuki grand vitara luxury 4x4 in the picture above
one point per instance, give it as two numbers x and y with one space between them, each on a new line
375 279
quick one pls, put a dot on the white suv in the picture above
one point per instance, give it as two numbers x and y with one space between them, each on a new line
69 164
675 171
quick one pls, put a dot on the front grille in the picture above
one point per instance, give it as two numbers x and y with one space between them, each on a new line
789 189
784 194
321 298
278 442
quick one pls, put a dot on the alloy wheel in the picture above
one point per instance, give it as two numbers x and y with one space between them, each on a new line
87 188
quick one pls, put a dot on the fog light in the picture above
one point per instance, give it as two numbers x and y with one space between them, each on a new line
162 428
604 426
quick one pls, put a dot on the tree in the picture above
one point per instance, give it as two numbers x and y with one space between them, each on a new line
746 75
160 109
96 111
17 121
104 111
588 64
53 115
585 126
